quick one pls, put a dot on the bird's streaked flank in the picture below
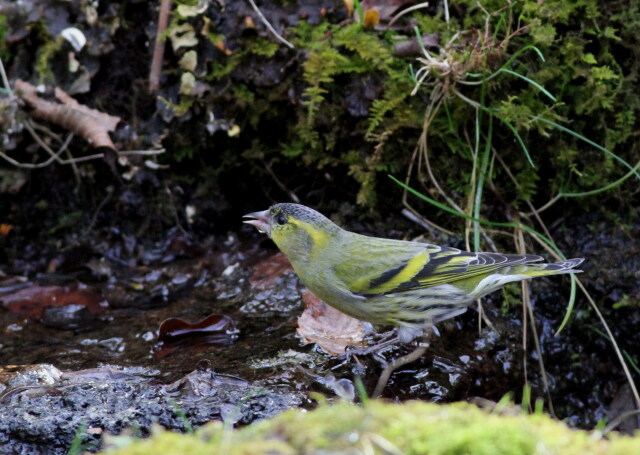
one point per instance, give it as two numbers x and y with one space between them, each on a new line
406 284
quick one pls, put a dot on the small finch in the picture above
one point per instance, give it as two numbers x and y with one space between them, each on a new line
384 281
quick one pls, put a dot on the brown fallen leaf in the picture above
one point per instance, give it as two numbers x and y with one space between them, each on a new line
329 328
175 334
32 301
88 123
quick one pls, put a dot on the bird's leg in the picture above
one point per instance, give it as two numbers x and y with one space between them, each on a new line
373 349
401 335
414 355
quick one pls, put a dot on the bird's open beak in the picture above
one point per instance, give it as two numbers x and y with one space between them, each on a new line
259 220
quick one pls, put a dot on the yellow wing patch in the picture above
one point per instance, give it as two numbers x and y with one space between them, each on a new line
405 274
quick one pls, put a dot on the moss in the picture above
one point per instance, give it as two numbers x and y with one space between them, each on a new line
378 427
46 53
348 105
4 30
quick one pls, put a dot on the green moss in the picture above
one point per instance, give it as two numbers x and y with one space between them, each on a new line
46 53
378 427
4 29
356 114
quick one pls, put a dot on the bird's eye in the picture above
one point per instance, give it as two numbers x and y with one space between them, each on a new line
281 220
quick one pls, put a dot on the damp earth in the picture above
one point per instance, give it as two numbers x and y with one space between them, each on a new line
182 332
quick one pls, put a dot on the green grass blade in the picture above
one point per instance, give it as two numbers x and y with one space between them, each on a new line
517 54
588 141
519 139
481 221
358 6
608 187
530 81
570 305
482 173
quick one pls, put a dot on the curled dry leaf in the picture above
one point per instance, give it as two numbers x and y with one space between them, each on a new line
88 123
332 330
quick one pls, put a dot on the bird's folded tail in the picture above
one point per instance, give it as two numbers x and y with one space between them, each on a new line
554 268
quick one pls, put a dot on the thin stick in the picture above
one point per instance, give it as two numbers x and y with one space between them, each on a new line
158 49
397 363
268 25
94 218
56 156
526 301
294 197
634 390
5 80
405 11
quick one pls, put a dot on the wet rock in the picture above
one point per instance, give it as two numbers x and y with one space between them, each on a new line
42 408
68 317
283 299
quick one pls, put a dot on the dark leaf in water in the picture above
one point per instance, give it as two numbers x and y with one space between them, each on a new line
177 334
173 329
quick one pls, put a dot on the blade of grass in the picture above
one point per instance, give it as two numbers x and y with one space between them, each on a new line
530 81
554 248
441 206
484 164
519 139
358 6
570 305
588 141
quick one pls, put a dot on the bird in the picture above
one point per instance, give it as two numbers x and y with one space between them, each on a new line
406 284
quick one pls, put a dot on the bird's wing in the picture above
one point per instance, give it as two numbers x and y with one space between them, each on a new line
384 266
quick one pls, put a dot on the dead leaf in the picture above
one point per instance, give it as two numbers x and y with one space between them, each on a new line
178 335
88 123
329 328
32 301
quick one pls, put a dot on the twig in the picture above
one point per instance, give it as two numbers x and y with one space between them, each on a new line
616 348
94 218
268 25
617 421
176 215
420 221
405 11
5 80
527 310
401 361
158 49
56 156
282 186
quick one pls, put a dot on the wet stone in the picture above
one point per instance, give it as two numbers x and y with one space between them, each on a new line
112 399
68 317
283 299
